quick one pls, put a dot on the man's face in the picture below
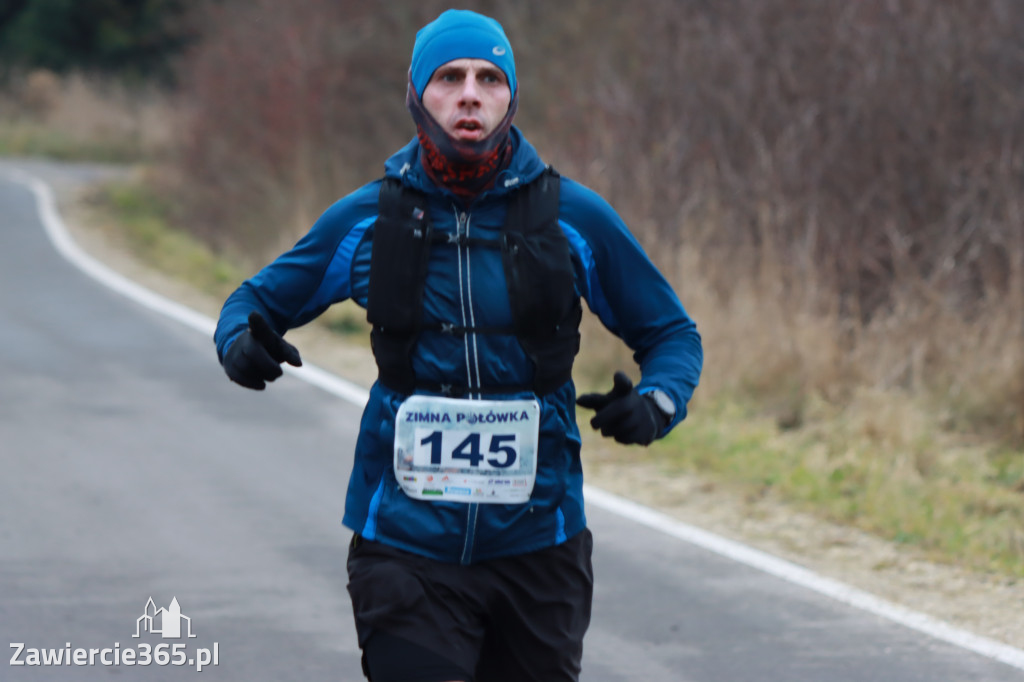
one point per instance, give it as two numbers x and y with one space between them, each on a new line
468 97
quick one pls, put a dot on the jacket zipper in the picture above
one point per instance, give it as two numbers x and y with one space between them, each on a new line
466 303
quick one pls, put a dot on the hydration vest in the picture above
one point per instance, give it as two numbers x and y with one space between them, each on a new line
539 278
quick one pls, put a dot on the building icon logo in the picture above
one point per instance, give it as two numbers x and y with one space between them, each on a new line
165 622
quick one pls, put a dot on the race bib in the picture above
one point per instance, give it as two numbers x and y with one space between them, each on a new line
467 450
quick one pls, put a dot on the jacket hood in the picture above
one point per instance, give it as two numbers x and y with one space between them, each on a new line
525 166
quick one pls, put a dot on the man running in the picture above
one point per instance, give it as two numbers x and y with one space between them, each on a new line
470 558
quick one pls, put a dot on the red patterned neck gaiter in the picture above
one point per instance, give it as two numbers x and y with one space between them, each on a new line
465 168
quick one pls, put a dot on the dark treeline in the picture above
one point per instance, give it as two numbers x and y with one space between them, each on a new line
135 39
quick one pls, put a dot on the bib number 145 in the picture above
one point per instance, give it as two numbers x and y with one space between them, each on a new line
466 449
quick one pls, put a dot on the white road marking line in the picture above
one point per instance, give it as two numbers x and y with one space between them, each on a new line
656 520
803 577
65 245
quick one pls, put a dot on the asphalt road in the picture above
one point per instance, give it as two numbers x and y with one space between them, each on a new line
131 468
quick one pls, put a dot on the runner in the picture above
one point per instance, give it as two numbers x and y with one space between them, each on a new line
470 558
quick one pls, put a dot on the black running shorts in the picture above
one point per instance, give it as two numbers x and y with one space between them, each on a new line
517 618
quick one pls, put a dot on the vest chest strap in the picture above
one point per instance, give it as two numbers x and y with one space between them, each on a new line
539 278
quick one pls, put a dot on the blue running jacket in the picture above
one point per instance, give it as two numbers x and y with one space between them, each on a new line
466 286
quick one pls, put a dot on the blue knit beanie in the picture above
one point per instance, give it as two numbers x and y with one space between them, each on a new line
460 34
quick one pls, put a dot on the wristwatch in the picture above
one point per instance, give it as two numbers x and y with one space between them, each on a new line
663 403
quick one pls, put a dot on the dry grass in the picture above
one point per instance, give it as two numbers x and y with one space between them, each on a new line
882 459
80 117
908 427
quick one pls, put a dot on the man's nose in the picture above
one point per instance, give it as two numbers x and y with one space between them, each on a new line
470 94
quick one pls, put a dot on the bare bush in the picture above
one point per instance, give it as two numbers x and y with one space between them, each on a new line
835 187
290 106
852 163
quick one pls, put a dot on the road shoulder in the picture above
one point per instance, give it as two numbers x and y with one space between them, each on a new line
988 605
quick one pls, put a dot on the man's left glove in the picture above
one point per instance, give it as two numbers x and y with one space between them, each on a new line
256 355
624 414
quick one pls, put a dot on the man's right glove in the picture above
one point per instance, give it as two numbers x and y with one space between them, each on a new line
624 414
256 355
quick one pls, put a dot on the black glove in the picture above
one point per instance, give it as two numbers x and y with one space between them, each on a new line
256 355
624 414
